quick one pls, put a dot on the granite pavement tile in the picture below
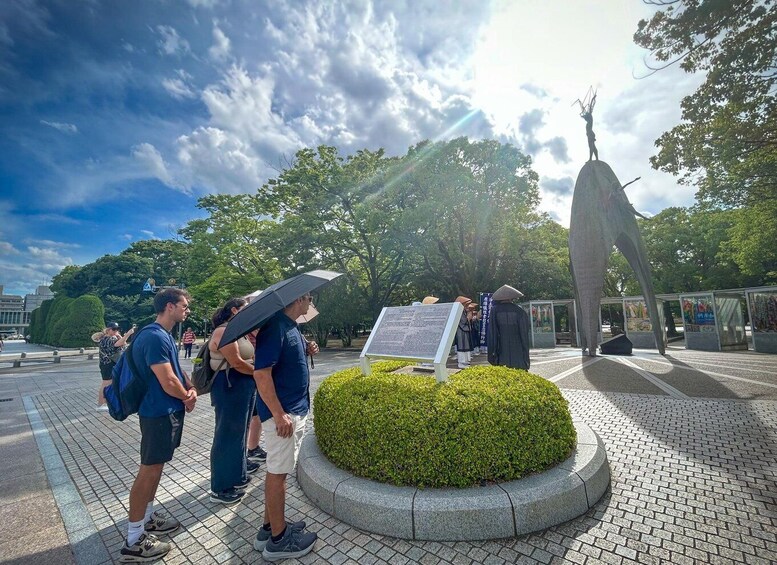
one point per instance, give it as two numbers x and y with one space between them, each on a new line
692 479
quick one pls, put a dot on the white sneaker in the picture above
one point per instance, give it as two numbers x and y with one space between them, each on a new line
102 408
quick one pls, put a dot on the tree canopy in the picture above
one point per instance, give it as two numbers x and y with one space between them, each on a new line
727 142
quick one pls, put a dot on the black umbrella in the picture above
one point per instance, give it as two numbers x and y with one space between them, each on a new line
271 300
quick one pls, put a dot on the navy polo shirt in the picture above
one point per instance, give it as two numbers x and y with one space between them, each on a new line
154 345
280 345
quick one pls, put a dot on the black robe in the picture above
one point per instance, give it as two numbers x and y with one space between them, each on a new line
463 335
508 336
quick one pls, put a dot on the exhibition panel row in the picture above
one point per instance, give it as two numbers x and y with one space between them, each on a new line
712 320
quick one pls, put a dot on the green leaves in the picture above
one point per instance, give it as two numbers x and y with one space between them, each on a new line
485 424
727 143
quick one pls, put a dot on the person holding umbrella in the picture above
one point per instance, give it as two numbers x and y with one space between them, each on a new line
232 396
283 380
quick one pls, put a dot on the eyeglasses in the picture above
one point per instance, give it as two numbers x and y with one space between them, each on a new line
308 298
183 306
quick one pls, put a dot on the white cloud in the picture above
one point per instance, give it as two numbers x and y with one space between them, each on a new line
177 88
63 127
153 163
7 248
50 243
203 3
220 49
170 42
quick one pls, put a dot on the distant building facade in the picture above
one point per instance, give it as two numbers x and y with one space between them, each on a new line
15 311
33 301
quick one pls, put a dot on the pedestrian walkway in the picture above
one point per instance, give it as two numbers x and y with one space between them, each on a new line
691 439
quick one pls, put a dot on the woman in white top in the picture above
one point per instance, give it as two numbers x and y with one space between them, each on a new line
233 396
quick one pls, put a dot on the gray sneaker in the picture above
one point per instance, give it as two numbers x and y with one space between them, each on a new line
294 543
263 536
160 523
147 548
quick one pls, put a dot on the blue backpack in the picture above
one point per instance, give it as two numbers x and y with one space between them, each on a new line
128 387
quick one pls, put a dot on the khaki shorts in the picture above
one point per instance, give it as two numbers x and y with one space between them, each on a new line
282 452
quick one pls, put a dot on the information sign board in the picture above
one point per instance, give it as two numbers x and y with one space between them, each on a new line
423 333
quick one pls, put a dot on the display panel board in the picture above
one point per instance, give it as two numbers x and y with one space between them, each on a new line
422 333
637 316
699 314
701 331
762 304
542 324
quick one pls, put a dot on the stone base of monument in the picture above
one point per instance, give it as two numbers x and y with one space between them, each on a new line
618 345
495 511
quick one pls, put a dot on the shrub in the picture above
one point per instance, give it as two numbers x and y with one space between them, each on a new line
57 320
85 318
485 424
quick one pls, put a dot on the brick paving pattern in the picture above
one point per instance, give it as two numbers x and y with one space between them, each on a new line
694 480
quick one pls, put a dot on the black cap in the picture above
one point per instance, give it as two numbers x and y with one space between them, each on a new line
112 326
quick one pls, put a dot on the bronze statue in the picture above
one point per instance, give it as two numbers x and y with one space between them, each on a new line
602 216
587 113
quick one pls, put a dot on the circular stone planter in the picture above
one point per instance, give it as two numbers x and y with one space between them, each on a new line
496 511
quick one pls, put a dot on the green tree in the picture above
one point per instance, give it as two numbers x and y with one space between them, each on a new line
69 282
751 243
467 208
168 259
333 212
727 142
232 252
342 311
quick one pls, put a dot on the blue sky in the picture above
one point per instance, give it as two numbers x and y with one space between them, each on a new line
116 116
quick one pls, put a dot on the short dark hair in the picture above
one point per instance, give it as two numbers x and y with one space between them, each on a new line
168 296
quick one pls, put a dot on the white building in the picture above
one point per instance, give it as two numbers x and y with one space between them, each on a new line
33 301
13 318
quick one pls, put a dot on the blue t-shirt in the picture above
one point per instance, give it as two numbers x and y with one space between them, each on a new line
280 345
152 346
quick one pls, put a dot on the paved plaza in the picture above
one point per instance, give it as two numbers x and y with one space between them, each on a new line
691 439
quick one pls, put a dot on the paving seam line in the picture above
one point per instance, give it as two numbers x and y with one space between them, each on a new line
714 374
568 372
723 365
85 542
670 390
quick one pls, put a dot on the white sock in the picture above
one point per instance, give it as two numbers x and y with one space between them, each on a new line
149 510
134 531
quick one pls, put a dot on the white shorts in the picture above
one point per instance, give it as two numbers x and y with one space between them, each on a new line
282 452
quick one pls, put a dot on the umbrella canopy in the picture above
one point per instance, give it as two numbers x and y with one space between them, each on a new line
253 295
273 299
506 292
312 313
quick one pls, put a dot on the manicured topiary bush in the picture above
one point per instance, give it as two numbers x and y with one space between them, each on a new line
485 424
85 317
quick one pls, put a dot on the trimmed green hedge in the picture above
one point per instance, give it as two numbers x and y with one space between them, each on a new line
485 424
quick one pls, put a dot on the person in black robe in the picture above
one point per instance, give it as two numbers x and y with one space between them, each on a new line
463 336
508 330
474 325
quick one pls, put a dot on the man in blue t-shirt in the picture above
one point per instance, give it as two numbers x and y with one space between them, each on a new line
283 380
161 413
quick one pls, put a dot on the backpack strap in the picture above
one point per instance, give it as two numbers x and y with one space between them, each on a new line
128 353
